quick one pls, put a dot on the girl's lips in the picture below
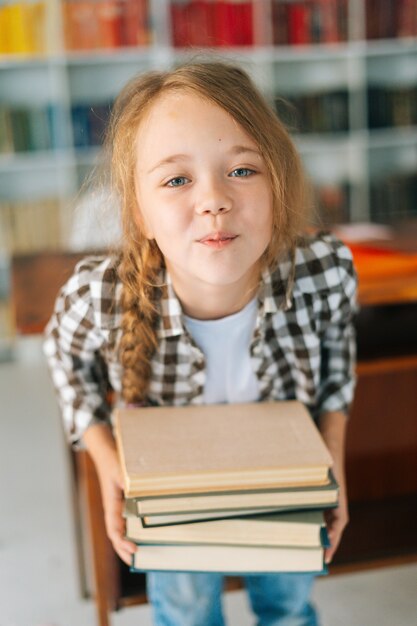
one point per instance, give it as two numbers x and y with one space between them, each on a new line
218 240
218 236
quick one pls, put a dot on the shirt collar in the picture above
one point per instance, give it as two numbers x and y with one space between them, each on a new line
277 287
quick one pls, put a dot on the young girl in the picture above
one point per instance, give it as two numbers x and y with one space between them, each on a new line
215 296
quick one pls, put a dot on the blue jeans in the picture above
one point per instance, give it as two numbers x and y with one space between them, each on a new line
188 599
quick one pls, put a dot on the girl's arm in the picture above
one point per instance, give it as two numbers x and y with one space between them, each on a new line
332 426
99 441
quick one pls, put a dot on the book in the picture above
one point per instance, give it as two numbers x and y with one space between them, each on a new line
300 528
191 518
220 502
228 559
225 447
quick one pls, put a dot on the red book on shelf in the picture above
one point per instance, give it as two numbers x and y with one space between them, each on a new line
192 23
279 23
329 20
298 16
179 22
407 18
234 22
109 15
200 23
135 23
81 25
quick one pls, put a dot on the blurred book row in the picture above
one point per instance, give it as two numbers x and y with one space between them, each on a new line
30 226
46 128
33 26
394 198
393 106
25 129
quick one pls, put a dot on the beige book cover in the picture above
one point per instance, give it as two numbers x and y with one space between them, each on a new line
300 528
227 559
197 449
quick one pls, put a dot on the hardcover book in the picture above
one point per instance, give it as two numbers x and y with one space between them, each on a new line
300 528
228 447
228 559
322 496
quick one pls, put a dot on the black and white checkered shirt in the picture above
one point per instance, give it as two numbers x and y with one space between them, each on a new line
302 348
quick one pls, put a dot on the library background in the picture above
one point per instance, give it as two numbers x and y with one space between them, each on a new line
343 76
341 73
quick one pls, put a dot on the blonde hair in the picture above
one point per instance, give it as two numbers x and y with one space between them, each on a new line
229 87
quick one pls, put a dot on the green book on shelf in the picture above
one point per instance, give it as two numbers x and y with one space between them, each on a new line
6 136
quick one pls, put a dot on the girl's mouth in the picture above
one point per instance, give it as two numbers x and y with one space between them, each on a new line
218 240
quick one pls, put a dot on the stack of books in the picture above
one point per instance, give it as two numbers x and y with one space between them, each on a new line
237 488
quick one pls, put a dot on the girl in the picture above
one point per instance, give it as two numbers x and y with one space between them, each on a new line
215 296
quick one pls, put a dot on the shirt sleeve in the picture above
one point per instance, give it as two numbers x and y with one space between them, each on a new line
338 342
72 347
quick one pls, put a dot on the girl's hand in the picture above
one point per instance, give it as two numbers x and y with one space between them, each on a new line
112 496
336 521
101 446
333 429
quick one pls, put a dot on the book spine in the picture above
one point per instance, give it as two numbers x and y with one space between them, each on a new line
6 135
280 36
299 16
233 23
135 26
327 17
109 18
180 24
407 18
81 25
80 126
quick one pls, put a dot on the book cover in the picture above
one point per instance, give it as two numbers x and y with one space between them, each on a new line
301 528
296 497
228 559
224 447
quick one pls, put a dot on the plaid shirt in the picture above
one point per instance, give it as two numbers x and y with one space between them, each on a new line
302 348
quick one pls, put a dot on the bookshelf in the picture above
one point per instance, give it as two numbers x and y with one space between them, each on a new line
347 67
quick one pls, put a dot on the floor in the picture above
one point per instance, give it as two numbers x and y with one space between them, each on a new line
38 573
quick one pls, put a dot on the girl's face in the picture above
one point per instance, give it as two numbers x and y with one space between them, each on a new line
203 193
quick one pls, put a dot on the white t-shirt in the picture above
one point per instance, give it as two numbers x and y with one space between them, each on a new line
225 343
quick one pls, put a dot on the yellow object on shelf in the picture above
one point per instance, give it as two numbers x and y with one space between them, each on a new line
22 28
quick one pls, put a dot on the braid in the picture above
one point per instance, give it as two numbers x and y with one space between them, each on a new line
138 271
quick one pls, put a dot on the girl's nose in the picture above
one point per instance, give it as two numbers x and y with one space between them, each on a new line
213 199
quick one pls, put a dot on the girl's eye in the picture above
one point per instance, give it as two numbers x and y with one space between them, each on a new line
242 172
178 181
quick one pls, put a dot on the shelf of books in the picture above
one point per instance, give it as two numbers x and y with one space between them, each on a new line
341 73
